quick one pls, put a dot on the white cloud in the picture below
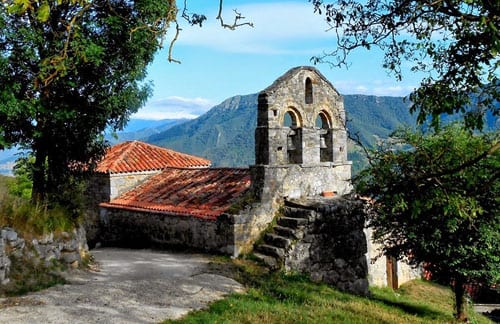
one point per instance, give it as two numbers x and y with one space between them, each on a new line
376 88
174 108
279 28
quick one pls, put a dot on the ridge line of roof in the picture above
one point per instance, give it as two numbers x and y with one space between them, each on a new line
288 74
206 168
122 154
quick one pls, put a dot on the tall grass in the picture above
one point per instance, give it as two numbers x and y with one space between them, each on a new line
28 218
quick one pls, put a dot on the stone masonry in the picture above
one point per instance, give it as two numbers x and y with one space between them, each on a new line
301 167
67 248
323 238
300 139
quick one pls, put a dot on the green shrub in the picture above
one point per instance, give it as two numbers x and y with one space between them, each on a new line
22 185
32 219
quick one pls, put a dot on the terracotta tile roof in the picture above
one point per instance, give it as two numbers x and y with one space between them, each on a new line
202 193
133 156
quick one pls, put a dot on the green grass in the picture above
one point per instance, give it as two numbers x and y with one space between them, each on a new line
30 220
278 298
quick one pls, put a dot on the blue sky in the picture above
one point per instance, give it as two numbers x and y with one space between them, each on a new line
219 63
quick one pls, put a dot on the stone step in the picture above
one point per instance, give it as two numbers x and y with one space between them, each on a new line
272 251
292 222
298 212
269 261
277 240
288 232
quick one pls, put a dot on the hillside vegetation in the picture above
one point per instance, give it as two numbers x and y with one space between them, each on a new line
225 134
30 220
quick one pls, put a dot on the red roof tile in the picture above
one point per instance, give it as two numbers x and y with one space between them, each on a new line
202 193
133 156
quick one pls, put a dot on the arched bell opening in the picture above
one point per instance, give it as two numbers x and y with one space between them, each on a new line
292 126
324 125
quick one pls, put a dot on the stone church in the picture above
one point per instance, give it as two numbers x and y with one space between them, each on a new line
294 193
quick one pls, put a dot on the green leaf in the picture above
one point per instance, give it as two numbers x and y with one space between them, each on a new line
43 13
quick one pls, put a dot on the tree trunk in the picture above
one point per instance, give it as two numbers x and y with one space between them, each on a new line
39 172
459 290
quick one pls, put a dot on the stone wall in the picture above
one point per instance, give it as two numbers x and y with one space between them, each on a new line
120 227
122 182
104 187
333 245
323 238
68 248
98 190
275 183
247 226
377 266
231 234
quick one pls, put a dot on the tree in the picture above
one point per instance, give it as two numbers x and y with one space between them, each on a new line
436 198
71 68
455 42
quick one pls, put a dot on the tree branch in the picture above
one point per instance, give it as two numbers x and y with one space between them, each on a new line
469 163
237 18
171 46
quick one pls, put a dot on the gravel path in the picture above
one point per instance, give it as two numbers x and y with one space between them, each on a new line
131 286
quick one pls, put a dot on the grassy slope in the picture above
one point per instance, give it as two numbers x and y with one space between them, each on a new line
5 180
275 298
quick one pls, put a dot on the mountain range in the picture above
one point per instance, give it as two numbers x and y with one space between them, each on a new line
225 134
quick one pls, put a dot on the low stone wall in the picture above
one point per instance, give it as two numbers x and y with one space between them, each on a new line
248 225
332 243
65 247
231 234
120 227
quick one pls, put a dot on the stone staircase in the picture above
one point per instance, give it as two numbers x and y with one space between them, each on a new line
278 241
322 238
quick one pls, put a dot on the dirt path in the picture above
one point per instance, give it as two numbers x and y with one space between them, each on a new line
132 286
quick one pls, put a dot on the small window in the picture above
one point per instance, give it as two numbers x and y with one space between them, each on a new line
309 91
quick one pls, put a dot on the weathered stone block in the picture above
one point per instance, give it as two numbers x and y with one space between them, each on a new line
340 264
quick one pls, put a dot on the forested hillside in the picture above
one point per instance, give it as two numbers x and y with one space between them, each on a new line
225 134
373 117
142 128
